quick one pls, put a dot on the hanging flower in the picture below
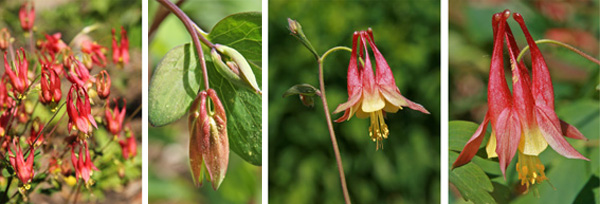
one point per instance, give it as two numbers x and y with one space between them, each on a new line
79 110
209 144
22 167
82 163
120 51
50 92
27 16
95 52
19 80
129 144
523 122
114 120
369 95
53 44
78 73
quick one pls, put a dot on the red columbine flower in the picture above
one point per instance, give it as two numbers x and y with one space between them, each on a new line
80 112
77 74
103 85
114 120
19 80
50 84
82 163
368 95
524 122
95 52
27 16
53 44
120 52
209 144
129 144
22 167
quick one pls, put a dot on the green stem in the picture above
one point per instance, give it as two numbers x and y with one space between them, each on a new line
561 44
333 49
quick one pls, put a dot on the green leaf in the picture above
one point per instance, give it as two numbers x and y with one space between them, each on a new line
178 78
304 89
471 181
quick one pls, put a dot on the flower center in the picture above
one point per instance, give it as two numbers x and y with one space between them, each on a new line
531 170
378 129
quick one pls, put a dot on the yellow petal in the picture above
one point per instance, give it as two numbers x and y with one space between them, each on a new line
372 101
532 142
491 146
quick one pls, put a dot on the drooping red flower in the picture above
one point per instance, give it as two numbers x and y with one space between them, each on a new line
82 163
22 167
120 51
79 110
27 16
78 73
36 137
114 120
523 122
209 143
103 84
129 144
95 52
369 95
53 44
18 79
50 92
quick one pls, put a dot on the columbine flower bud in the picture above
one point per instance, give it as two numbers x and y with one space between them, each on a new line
236 69
5 39
114 120
27 16
294 26
103 85
19 80
79 110
50 92
209 144
120 52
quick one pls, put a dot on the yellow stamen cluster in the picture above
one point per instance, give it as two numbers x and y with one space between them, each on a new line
531 170
378 129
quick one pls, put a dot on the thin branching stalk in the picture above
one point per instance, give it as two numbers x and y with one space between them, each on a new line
579 52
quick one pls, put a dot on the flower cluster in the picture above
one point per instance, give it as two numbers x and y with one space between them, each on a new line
370 95
58 64
523 122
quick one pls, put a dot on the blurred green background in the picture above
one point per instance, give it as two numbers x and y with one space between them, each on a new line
168 145
119 180
302 165
574 78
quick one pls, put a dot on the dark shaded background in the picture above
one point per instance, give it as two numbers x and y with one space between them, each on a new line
302 166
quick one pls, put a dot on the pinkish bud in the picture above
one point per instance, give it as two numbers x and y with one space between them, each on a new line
103 85
5 39
209 144
114 120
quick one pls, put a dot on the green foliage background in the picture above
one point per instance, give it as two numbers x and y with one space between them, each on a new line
302 166
574 79
168 145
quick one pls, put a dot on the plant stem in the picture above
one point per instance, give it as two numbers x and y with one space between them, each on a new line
189 26
561 44
330 127
333 49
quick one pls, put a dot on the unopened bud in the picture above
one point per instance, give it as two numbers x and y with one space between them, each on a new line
209 144
5 39
103 84
239 63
